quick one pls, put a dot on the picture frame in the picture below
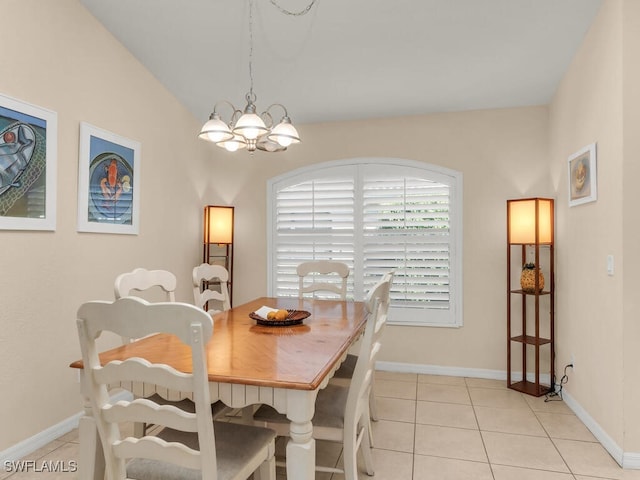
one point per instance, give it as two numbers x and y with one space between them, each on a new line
28 165
108 182
583 186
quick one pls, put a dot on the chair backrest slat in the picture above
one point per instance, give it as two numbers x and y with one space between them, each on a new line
320 272
167 415
140 370
142 279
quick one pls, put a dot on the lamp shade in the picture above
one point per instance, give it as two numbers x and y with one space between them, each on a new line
215 130
530 221
218 224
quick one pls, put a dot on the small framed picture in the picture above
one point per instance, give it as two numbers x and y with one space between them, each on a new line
108 182
28 162
583 176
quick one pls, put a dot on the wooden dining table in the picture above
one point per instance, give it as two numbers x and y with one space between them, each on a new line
250 364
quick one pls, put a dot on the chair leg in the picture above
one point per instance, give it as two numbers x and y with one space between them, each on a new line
373 410
267 469
349 453
365 447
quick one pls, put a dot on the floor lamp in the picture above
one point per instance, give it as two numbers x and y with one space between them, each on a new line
218 239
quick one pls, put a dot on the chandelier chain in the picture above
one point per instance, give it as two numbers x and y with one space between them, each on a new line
304 11
251 47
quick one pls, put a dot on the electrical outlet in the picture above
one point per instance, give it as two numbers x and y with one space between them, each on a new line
573 361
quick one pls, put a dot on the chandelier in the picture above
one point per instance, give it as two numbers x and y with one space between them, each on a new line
246 128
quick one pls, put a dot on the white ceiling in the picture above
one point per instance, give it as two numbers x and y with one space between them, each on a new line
354 59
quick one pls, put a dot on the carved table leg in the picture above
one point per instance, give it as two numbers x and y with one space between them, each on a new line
301 448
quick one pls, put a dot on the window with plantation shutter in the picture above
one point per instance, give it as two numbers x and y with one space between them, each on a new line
375 215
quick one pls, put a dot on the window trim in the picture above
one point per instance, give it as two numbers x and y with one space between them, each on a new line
451 177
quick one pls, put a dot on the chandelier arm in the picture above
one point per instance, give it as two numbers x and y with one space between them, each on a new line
286 113
225 102
300 13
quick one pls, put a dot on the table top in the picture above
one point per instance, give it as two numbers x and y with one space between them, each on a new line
242 352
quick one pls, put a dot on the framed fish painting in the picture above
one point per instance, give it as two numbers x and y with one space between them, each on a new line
28 154
108 182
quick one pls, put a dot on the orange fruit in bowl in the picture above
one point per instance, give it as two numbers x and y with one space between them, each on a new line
281 315
271 315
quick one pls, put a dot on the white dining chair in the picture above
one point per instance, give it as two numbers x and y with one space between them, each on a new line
323 277
342 412
190 445
162 284
203 296
346 370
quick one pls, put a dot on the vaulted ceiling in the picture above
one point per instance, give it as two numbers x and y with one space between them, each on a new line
353 59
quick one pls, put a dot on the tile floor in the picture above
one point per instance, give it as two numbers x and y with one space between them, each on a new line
447 428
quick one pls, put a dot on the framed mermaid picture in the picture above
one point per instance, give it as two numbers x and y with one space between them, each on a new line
28 150
108 182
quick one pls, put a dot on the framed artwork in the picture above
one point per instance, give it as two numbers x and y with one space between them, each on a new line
583 176
108 182
28 154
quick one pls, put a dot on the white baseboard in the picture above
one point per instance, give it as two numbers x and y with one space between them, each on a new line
453 371
627 460
27 447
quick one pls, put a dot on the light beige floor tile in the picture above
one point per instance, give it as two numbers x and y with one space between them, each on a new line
42 451
492 397
449 442
486 383
388 465
523 451
538 404
396 376
327 453
441 380
397 436
568 427
396 409
509 420
72 436
585 458
436 468
446 415
395 389
501 472
443 393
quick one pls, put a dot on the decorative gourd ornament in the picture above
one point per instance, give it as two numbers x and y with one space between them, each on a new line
528 278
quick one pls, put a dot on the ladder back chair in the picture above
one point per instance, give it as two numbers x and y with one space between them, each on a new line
202 296
133 284
346 370
326 276
191 445
342 412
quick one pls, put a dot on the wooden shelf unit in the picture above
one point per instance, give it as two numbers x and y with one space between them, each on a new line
523 330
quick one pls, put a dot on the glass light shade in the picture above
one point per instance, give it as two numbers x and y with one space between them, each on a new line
284 133
250 126
215 130
266 144
528 216
218 224
234 144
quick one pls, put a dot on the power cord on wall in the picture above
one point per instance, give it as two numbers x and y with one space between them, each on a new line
558 393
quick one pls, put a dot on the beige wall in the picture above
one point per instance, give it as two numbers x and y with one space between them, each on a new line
596 316
57 56
71 65
631 225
